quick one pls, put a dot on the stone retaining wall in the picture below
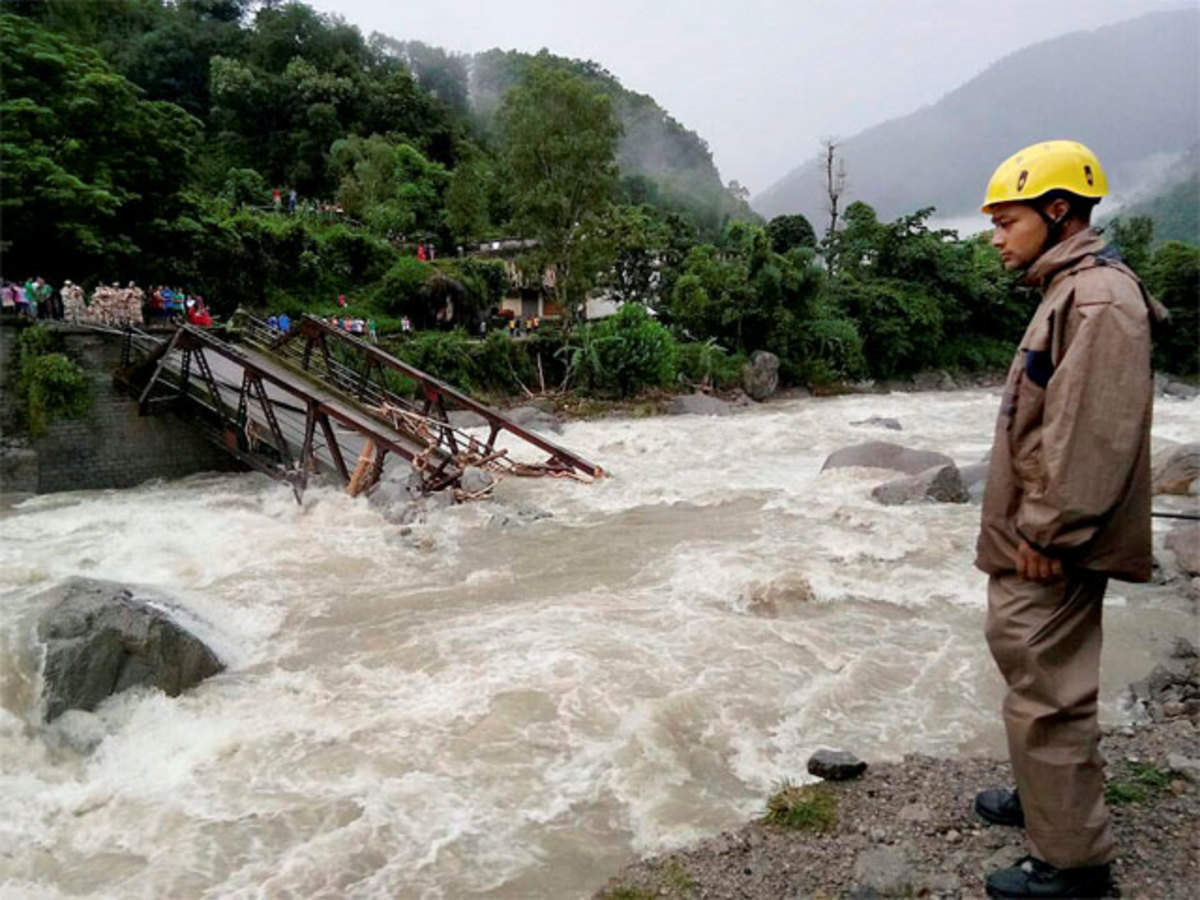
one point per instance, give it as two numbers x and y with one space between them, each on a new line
110 447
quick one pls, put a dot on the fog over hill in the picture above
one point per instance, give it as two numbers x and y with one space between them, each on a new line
1130 91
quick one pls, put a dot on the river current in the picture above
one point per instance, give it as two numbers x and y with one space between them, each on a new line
465 708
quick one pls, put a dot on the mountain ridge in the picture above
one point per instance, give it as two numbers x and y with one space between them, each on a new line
1131 91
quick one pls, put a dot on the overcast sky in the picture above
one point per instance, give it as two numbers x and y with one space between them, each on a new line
761 80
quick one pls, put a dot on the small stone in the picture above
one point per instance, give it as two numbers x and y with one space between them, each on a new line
1173 708
835 765
953 836
915 812
884 869
1178 786
1184 766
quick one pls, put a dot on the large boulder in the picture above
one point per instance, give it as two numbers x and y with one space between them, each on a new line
1173 469
760 376
698 405
102 638
885 455
938 380
1184 541
939 484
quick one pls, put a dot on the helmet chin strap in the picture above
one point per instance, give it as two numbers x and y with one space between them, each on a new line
1054 230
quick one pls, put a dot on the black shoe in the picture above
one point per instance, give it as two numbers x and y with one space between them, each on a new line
1033 878
1000 807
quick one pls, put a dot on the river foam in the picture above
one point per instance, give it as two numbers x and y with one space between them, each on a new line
455 709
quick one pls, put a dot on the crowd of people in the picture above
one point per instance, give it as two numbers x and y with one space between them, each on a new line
109 304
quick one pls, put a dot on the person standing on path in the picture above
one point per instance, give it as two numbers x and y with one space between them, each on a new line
1066 507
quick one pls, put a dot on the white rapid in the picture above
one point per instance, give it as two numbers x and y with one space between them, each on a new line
465 710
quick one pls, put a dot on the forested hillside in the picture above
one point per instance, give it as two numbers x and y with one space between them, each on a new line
272 158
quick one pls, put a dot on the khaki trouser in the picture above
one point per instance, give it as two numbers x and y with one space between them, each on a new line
1046 640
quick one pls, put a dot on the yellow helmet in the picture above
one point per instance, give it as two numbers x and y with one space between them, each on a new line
1044 167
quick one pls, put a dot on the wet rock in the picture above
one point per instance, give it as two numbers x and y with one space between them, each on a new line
1180 389
1184 542
880 422
18 470
939 380
1173 469
698 405
476 481
885 455
939 484
835 765
885 870
1183 648
534 418
760 376
102 638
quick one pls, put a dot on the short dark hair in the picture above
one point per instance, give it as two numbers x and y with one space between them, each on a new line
1080 207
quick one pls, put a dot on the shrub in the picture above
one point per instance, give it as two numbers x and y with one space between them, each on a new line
708 363
502 364
443 354
51 385
809 808
399 291
622 354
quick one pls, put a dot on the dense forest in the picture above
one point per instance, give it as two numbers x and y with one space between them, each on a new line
162 142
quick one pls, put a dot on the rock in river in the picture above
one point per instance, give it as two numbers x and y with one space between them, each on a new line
885 455
102 638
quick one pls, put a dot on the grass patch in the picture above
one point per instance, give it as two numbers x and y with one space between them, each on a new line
627 893
1136 783
677 877
812 807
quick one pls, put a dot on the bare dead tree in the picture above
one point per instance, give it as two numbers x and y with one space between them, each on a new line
835 182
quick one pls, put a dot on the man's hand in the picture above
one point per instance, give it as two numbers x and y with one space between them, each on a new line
1033 566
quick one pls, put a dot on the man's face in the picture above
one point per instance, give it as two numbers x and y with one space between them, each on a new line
1019 233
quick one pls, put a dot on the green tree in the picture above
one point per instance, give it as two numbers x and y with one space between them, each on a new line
636 241
1174 278
787 232
1134 237
90 173
560 141
390 187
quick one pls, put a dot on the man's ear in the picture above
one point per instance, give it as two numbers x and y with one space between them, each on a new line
1058 209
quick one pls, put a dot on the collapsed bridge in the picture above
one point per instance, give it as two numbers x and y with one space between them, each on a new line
306 401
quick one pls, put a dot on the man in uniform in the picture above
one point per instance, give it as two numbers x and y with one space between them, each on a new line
1067 506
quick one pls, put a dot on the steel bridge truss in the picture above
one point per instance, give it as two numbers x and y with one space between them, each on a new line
290 404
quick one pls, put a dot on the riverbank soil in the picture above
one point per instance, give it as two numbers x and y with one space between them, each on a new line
907 830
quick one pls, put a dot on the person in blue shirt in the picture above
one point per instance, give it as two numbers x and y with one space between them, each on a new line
272 323
284 322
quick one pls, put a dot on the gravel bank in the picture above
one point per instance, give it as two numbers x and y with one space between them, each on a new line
906 830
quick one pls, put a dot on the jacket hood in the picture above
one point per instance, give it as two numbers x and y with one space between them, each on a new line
1063 255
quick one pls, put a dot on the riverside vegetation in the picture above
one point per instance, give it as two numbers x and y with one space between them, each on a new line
142 141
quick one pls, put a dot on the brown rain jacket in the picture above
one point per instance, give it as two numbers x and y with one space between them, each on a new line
1070 466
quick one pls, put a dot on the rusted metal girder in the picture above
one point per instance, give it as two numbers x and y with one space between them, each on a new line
315 332
241 436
